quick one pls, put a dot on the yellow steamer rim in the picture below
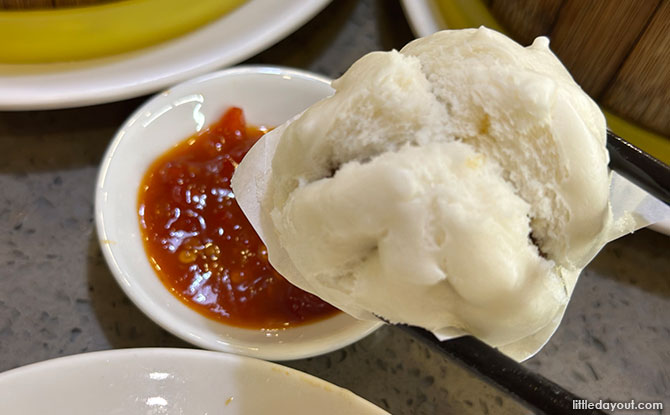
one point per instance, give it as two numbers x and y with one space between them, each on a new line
87 32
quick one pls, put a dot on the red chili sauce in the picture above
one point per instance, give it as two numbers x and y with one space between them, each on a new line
200 243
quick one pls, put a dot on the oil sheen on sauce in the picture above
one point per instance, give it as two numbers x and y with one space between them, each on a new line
201 245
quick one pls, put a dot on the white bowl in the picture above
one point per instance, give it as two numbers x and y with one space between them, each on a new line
269 96
170 381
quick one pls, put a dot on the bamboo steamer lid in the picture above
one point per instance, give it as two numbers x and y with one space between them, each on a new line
618 51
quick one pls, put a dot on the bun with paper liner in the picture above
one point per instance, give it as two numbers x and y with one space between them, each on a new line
459 185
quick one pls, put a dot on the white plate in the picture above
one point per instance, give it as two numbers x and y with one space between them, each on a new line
240 34
423 17
269 96
170 381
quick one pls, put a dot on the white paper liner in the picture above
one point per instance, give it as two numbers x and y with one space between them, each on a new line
632 209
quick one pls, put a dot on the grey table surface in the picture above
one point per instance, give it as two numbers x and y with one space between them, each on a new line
57 296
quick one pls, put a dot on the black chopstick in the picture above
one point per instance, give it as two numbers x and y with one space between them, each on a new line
536 392
639 167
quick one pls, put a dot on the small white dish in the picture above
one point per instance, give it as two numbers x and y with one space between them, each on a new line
170 381
269 96
238 35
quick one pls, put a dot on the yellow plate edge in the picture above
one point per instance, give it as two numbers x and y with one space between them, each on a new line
39 36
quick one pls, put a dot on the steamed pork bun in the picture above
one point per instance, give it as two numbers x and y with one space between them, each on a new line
459 184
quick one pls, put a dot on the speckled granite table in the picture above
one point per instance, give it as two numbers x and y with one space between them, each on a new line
58 298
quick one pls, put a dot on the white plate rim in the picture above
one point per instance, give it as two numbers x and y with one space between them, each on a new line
128 75
167 357
423 17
